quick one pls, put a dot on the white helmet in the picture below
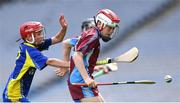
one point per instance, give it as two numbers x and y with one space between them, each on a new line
107 17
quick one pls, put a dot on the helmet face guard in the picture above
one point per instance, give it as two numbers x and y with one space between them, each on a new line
106 39
107 18
33 40
29 28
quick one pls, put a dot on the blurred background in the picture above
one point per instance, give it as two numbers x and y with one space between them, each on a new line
153 26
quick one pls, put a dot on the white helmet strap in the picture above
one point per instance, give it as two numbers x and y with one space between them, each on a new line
33 40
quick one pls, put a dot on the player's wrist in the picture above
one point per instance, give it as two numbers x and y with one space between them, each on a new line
87 79
64 28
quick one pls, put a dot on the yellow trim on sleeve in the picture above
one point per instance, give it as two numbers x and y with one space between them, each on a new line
18 55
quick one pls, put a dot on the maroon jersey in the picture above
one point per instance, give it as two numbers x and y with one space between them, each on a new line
89 46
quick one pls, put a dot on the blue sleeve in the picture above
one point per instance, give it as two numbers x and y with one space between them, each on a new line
45 45
73 41
38 59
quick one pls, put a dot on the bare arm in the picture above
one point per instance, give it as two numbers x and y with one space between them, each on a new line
66 49
66 55
60 35
78 60
57 63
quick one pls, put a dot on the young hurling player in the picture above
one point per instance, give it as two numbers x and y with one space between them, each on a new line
86 52
30 58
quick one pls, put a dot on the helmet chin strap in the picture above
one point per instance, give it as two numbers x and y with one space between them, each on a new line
106 39
33 40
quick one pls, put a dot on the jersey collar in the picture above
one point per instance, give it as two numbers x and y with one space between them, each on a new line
28 44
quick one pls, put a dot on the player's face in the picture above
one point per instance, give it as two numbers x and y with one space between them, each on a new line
107 31
39 37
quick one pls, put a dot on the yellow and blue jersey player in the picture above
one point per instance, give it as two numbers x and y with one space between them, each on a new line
30 58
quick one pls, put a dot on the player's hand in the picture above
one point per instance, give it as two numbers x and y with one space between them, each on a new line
101 67
63 22
90 82
61 71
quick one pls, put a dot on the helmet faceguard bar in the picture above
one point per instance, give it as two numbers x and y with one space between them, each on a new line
108 18
105 20
33 40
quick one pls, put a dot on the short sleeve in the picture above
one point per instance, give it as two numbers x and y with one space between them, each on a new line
73 41
45 45
86 43
38 59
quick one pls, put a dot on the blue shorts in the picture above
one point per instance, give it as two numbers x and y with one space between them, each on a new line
78 93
